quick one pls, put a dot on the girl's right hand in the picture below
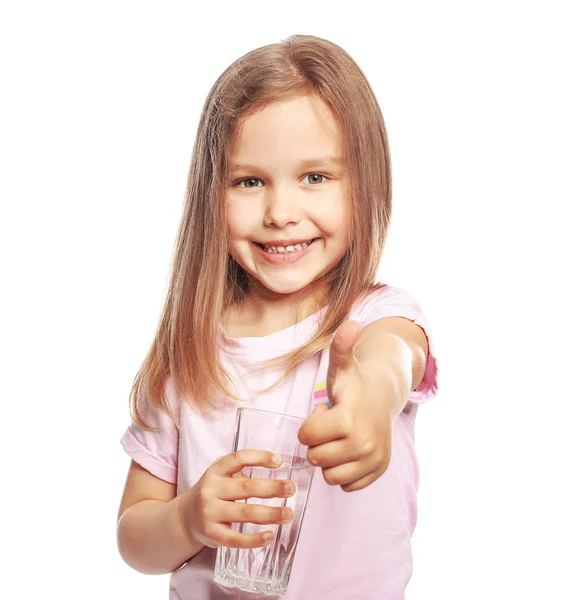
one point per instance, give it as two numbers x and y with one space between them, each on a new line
207 510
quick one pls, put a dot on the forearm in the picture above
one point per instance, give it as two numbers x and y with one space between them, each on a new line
151 539
387 360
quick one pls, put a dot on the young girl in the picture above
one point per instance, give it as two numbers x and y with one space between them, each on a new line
273 304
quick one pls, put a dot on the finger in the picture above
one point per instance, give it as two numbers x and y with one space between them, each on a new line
224 535
344 474
244 488
332 454
319 409
246 512
326 425
233 463
361 483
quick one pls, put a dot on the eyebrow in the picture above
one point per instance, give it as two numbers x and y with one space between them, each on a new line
302 164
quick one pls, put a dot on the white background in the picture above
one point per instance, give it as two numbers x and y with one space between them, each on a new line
99 106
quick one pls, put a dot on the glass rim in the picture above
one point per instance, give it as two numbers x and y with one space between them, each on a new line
248 409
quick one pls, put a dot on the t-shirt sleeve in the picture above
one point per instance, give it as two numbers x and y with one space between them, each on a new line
391 301
157 450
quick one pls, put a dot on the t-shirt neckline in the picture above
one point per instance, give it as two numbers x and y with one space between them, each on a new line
274 343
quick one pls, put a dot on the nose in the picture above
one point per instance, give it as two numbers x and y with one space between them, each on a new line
281 207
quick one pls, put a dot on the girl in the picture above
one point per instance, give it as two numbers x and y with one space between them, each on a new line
272 304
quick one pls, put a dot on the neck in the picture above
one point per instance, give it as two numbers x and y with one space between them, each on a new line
263 311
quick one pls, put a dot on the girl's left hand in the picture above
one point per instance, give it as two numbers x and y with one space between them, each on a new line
352 441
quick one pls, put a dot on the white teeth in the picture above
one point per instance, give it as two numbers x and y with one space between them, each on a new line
289 248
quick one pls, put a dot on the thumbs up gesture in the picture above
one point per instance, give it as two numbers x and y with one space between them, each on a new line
351 442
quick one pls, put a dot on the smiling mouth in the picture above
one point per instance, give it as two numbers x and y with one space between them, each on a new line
278 249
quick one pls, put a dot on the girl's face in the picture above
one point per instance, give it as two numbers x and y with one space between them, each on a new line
287 201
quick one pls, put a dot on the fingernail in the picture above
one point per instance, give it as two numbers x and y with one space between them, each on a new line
286 514
289 489
277 459
268 536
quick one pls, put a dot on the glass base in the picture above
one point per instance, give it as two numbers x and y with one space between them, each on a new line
260 586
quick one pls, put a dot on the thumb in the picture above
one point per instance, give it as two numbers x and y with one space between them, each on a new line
341 350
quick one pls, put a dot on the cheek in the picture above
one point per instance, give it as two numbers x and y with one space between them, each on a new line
242 219
335 218
234 223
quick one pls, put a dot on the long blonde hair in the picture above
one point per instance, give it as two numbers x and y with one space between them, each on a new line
205 280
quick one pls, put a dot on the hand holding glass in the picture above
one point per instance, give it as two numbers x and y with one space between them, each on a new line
209 507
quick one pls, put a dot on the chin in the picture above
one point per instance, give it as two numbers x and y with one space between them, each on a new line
284 287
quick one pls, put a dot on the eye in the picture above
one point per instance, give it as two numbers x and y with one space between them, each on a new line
316 175
248 179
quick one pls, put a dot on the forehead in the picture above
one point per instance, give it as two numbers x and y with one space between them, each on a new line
301 129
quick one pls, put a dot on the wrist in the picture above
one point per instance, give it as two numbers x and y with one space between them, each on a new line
182 508
183 537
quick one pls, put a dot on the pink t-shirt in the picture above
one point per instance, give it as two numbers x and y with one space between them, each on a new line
352 545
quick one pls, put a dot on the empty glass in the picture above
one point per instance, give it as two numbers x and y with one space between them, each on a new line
267 570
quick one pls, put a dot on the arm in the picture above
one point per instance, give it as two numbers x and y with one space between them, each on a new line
371 373
396 348
158 532
149 533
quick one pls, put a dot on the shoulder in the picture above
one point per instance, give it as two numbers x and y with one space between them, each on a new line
172 397
166 415
386 300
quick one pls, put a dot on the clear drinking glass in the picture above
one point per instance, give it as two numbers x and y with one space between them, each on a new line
267 570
